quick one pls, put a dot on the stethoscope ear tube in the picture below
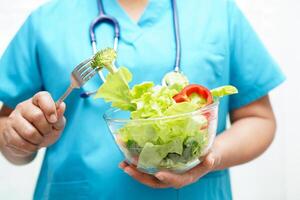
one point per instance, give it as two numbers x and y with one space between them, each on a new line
107 19
177 36
102 17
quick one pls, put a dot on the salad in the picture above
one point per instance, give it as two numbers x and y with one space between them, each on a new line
145 139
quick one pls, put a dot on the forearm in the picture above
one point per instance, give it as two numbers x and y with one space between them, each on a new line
245 140
17 160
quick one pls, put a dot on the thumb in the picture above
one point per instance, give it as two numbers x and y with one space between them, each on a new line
207 165
60 124
61 110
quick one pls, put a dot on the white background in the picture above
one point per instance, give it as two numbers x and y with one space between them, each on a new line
273 176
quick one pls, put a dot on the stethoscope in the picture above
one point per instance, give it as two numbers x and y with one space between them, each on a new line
105 18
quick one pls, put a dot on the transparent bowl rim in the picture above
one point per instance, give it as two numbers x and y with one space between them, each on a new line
110 111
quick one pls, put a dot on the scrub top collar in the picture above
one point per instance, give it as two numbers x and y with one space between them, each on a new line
131 30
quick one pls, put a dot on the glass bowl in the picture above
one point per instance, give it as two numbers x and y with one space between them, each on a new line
175 143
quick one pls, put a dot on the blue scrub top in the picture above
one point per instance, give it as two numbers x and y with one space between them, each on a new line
219 47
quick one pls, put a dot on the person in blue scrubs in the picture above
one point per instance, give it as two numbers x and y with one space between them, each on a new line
219 47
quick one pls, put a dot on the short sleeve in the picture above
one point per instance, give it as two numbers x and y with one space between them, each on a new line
252 69
19 71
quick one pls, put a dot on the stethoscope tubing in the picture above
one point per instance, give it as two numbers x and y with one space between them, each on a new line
177 36
104 18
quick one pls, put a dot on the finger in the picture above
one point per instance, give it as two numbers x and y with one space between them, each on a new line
36 116
144 178
17 144
26 130
123 164
61 109
191 176
60 124
205 166
45 102
16 152
175 180
57 128
50 138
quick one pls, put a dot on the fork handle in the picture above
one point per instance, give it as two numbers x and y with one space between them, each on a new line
64 96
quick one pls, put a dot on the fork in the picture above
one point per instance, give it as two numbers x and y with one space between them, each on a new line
79 76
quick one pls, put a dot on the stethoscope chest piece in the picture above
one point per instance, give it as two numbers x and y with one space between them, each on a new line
174 78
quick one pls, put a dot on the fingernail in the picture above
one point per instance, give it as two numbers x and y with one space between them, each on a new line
121 166
53 118
160 177
127 172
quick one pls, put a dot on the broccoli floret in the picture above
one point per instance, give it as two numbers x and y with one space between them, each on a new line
105 58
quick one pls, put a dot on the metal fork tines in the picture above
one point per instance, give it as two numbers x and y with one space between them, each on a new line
79 76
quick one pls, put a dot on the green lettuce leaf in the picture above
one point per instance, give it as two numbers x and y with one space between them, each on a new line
140 132
224 91
133 147
138 90
116 89
181 108
152 155
153 103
